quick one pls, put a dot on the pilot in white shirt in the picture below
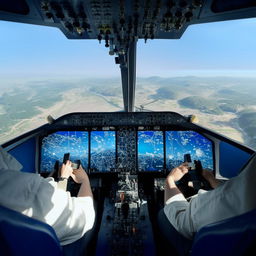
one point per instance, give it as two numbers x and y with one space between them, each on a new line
42 199
235 197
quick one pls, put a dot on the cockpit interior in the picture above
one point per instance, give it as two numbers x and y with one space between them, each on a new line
127 155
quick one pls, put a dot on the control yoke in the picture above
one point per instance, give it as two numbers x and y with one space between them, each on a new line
75 163
195 174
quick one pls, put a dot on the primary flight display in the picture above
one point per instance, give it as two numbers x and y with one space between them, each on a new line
98 150
103 150
55 145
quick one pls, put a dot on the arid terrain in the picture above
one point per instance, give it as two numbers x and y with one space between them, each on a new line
224 105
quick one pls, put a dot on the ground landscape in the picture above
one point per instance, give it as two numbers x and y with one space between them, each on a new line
225 105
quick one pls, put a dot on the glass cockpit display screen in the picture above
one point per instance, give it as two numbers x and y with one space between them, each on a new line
103 150
179 143
55 145
150 150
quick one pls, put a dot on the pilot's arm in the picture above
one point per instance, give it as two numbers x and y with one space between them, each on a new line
178 210
176 204
81 177
209 176
171 189
71 217
65 172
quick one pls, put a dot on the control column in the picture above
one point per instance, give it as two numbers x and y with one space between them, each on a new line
126 227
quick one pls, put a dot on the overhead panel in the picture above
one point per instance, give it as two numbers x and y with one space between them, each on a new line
15 6
117 23
231 5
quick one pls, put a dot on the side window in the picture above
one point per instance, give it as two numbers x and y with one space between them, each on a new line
25 154
232 159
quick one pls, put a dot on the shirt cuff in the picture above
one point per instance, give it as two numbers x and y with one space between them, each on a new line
178 197
62 184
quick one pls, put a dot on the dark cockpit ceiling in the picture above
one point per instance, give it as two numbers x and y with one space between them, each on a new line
118 24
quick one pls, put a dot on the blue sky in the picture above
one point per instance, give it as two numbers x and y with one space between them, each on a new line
224 48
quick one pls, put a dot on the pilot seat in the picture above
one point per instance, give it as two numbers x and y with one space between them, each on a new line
229 237
22 235
233 236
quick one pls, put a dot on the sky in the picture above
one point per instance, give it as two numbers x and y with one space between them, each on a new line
220 48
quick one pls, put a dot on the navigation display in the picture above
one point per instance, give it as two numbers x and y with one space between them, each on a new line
150 151
55 145
103 150
179 143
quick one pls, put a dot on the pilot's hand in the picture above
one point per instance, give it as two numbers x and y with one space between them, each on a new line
178 172
79 175
208 174
66 170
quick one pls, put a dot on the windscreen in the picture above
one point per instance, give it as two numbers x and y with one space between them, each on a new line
150 151
179 143
64 76
55 145
209 72
103 150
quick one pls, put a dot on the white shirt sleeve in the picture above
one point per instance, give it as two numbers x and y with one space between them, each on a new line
234 197
178 212
71 217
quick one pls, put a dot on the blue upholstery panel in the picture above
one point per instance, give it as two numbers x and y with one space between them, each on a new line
229 237
21 235
232 159
25 154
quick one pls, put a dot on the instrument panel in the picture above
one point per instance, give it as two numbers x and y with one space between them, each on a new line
124 148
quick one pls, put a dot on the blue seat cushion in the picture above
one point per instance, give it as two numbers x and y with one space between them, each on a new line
21 235
233 236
